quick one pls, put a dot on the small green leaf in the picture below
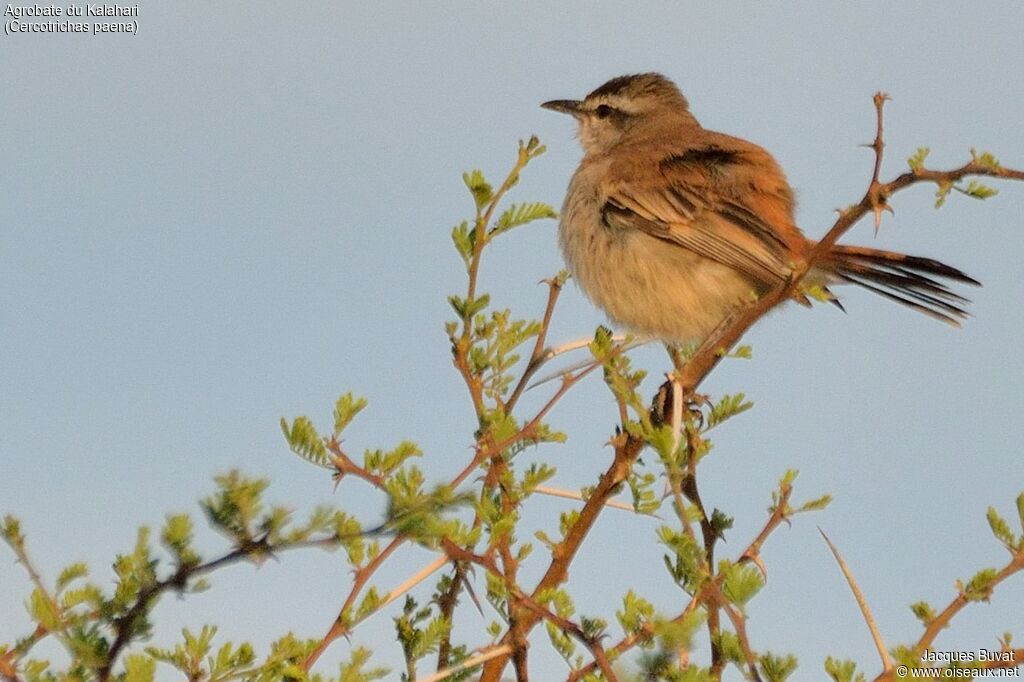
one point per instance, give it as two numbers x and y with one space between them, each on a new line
635 613
985 159
345 410
304 440
916 162
1001 529
720 522
139 668
480 189
980 586
729 406
942 193
777 668
464 240
743 352
788 477
43 611
70 574
924 612
978 190
521 214
816 504
1020 509
742 582
842 670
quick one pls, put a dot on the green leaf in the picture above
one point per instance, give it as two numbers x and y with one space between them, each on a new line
139 668
1020 509
777 668
674 635
730 646
11 530
176 536
480 189
90 595
384 463
535 475
636 612
371 602
43 611
729 406
467 308
345 411
662 439
464 240
236 505
686 564
720 522
304 440
70 574
924 612
978 190
916 162
842 670
985 159
743 352
980 586
521 214
742 582
816 504
1001 529
354 669
602 343
533 147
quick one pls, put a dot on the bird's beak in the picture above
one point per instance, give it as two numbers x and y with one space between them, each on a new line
572 107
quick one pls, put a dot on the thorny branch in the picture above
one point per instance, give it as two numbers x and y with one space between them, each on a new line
751 554
525 610
723 339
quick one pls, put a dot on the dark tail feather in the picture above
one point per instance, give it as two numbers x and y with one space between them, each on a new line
909 280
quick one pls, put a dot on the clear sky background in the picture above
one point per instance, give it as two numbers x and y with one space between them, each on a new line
244 211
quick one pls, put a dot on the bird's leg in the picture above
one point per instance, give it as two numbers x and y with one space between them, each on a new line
677 385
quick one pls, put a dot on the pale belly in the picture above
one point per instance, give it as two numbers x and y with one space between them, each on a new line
650 286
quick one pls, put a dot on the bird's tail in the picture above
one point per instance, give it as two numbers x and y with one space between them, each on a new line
910 280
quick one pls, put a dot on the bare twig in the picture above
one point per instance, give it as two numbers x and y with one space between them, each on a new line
627 449
538 357
883 652
573 495
530 603
340 626
482 656
740 626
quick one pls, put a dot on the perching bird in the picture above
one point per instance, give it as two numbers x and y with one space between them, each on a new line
670 228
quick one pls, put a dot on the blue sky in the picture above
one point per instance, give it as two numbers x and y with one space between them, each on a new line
243 211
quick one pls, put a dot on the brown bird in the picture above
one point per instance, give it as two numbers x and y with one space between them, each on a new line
670 228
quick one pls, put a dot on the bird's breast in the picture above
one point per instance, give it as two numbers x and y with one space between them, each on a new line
645 284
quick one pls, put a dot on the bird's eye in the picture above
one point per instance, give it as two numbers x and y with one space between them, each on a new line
604 111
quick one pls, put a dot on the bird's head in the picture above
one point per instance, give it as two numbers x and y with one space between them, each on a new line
622 106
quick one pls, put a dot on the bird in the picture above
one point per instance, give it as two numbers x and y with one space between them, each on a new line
671 228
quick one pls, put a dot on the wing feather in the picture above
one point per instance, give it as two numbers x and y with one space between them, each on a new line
695 202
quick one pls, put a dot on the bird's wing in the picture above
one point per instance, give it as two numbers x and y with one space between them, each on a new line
721 203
